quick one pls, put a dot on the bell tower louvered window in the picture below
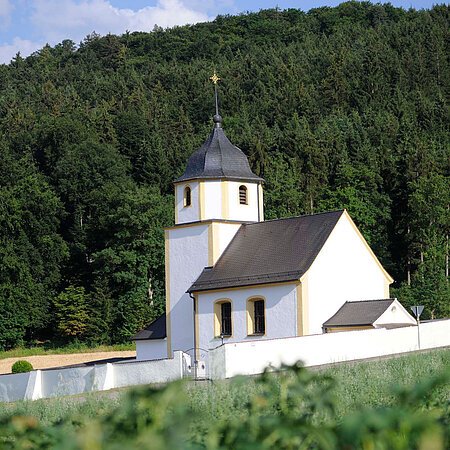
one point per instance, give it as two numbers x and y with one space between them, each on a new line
243 195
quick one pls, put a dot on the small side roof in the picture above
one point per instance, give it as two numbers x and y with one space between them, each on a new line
269 252
156 330
359 313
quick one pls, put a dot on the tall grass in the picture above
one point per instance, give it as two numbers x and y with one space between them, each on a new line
370 383
356 384
53 410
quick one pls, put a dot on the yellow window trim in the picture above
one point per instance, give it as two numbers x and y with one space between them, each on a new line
251 315
218 317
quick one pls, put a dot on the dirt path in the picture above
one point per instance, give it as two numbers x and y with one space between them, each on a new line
48 361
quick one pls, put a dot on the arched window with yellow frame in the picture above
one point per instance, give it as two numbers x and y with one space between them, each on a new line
223 326
256 316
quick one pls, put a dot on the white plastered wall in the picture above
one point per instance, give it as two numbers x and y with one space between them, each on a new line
151 349
248 212
185 214
188 255
223 234
190 250
395 314
213 199
344 270
280 313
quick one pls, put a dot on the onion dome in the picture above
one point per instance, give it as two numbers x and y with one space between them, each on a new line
218 158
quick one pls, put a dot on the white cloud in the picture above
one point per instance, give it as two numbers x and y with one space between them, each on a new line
55 20
213 7
5 13
5 8
24 46
70 19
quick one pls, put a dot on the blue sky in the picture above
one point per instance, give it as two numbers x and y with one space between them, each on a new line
27 25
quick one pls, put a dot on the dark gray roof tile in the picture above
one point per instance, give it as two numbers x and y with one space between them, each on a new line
359 313
156 330
218 158
269 252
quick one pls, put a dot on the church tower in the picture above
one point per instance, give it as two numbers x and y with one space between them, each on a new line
215 195
218 183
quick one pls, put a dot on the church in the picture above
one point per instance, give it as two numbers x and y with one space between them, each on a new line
232 277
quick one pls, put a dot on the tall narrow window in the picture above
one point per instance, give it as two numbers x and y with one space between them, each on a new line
225 323
242 195
256 320
187 196
259 322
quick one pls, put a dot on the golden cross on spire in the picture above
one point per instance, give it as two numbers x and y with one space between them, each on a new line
214 78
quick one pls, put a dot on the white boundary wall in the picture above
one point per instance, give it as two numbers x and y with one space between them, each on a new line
248 358
243 358
99 377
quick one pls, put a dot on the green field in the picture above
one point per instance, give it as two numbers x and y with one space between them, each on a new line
399 403
356 384
22 352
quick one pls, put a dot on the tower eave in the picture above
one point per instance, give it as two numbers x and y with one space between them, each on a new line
254 179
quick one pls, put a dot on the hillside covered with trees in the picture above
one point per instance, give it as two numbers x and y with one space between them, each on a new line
337 107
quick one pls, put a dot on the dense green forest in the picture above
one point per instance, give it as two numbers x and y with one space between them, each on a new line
337 107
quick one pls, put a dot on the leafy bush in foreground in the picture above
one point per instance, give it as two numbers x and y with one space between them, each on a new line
291 410
21 366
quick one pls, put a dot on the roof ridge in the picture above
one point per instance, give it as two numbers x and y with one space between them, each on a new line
295 217
217 130
371 300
